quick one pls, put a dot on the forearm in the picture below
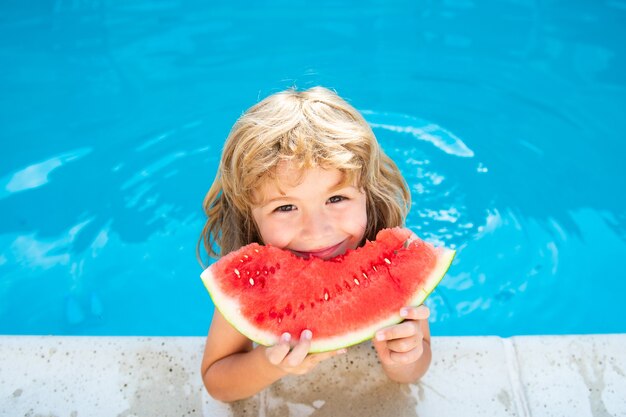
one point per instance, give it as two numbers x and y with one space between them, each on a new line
407 373
240 375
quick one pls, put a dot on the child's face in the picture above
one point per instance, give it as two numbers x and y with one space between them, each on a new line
314 217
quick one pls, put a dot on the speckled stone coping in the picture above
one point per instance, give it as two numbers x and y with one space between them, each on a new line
470 376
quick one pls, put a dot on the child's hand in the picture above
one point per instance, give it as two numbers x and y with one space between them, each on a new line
402 343
297 360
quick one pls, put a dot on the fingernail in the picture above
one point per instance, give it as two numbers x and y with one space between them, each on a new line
380 336
404 312
307 334
286 337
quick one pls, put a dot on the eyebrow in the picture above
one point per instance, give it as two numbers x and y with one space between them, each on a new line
339 186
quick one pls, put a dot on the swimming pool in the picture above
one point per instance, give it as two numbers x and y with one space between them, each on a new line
506 118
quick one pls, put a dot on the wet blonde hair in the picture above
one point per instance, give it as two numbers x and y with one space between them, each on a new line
312 128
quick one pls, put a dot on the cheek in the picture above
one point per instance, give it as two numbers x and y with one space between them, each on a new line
362 223
274 234
356 221
263 225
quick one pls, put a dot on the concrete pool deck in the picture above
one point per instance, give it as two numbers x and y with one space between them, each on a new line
470 376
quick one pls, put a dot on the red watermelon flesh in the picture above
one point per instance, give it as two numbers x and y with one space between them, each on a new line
264 291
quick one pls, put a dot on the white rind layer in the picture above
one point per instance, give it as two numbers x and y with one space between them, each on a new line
229 308
443 264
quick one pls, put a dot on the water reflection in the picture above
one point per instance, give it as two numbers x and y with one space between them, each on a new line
36 175
420 129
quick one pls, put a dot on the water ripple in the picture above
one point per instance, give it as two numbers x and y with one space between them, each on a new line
421 129
36 175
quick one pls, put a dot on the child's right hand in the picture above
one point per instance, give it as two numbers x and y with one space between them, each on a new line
298 360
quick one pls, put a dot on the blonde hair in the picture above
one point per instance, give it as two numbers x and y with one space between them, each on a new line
312 128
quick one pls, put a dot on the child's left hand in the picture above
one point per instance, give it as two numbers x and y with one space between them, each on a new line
402 343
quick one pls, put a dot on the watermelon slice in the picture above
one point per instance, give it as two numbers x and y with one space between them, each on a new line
264 291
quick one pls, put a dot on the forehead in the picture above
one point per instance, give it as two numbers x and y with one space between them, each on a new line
287 176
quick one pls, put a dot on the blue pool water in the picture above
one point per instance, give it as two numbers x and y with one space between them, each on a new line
506 117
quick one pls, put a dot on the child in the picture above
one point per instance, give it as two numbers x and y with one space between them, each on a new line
303 171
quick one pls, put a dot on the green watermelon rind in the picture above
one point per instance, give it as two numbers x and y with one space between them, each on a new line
229 308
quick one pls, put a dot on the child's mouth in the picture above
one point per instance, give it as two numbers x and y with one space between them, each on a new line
326 253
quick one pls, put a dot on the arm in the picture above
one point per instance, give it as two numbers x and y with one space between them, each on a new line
233 369
404 349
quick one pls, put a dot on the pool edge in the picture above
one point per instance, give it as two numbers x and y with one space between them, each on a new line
580 375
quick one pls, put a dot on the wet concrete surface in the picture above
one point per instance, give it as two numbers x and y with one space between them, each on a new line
470 376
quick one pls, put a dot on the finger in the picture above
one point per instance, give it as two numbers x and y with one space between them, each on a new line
299 352
407 357
383 352
405 329
277 353
415 313
320 357
403 345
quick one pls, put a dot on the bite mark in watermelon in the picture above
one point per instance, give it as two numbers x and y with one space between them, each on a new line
264 291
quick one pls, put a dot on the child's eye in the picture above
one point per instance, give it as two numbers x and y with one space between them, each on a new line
336 199
286 207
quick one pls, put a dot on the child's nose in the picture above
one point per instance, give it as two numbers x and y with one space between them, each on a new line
315 224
